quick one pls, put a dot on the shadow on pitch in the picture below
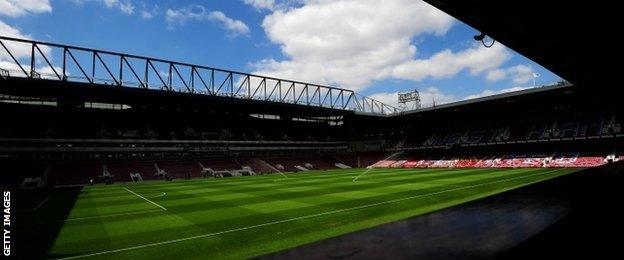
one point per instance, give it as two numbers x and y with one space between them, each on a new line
35 233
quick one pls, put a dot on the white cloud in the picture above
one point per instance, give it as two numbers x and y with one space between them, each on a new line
9 31
44 71
352 43
272 5
433 95
22 52
427 97
146 14
234 26
19 50
149 12
261 4
445 64
386 98
125 6
178 17
16 8
519 74
496 75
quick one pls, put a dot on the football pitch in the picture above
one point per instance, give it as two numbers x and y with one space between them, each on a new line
250 216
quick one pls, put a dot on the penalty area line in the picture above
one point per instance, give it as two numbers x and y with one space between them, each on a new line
304 217
156 204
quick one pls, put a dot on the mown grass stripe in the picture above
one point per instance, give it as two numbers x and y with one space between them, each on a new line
228 207
306 216
251 217
212 190
255 198
225 182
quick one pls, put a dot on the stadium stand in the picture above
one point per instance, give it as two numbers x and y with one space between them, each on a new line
186 137
504 161
179 169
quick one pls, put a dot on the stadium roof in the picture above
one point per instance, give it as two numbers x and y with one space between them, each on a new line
570 38
493 97
78 66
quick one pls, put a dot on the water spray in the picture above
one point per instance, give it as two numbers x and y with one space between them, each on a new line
273 168
369 169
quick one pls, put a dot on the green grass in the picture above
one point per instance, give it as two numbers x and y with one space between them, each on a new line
250 216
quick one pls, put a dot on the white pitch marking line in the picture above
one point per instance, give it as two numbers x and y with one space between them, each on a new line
156 204
302 217
40 204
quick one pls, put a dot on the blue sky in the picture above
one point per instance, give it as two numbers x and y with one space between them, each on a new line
375 49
